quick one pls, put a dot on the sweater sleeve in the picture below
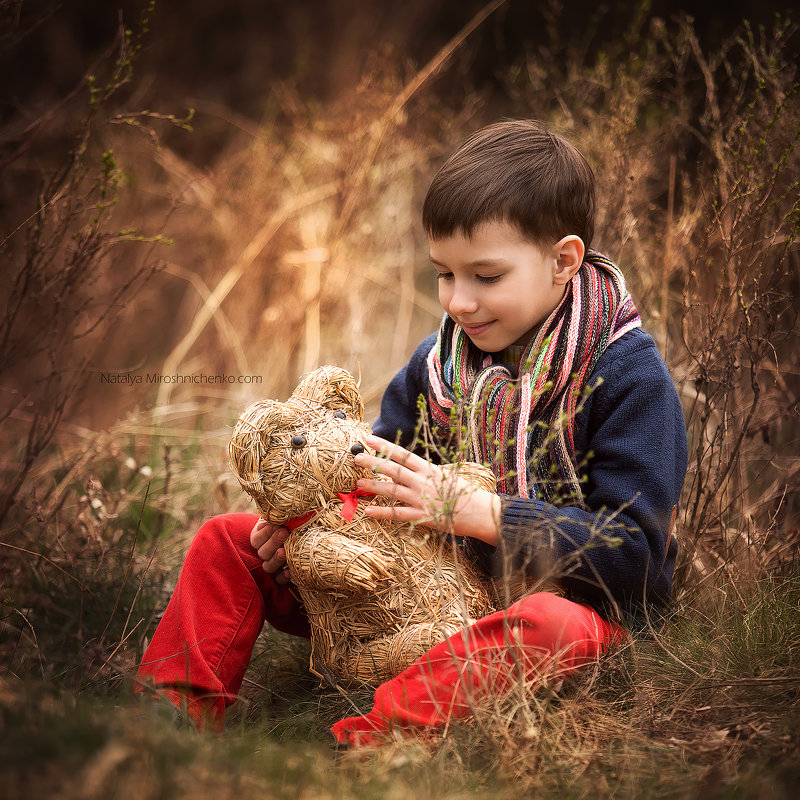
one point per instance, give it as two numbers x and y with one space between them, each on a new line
399 406
617 554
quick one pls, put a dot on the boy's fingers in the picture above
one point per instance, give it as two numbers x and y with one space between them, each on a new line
258 534
264 531
396 453
407 472
381 466
390 489
270 548
267 540
398 514
282 576
274 562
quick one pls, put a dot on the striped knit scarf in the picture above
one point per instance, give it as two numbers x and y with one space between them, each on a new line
523 427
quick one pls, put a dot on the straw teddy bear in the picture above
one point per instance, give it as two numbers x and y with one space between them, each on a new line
378 594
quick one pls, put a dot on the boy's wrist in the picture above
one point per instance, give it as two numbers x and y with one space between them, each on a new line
480 517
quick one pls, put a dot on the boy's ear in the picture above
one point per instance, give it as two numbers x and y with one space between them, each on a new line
568 253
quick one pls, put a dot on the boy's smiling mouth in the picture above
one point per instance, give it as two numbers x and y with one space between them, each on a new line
475 328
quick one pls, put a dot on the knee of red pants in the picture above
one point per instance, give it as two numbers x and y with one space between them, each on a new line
539 638
217 610
282 607
233 529
573 634
543 636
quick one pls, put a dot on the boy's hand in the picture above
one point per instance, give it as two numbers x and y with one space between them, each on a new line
267 539
428 494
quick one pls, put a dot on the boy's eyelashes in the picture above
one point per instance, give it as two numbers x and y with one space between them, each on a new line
448 276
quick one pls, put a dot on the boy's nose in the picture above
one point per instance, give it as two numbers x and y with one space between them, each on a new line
462 301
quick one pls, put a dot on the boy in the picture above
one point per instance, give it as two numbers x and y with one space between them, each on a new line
540 369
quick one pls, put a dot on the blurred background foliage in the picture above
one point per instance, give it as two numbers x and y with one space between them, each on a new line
290 109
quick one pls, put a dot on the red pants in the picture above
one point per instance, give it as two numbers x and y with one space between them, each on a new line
202 646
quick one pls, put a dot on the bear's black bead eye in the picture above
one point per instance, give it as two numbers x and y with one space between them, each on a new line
339 414
298 440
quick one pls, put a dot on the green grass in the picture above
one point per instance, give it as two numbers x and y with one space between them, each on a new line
707 706
710 708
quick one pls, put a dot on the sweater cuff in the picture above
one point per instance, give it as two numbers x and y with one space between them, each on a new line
529 536
518 513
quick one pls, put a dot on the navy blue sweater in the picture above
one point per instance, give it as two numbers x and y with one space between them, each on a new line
617 554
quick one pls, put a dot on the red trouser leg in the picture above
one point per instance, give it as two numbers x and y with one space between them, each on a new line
541 636
203 643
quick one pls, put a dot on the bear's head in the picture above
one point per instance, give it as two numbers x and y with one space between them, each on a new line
294 457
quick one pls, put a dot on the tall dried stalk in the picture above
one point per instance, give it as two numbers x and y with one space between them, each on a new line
738 313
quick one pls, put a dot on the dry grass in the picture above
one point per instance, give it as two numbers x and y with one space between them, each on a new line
296 243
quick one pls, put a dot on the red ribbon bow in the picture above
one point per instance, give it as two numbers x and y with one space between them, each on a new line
348 510
350 502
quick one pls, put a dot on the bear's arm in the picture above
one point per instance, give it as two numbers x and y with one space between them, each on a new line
319 559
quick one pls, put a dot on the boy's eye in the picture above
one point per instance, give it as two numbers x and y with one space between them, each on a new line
488 278
443 276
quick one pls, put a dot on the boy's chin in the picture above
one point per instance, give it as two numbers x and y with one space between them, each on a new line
476 341
486 340
486 347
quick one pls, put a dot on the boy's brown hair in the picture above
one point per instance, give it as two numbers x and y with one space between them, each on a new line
514 171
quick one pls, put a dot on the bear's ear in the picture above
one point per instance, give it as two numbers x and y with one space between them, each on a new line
250 442
332 387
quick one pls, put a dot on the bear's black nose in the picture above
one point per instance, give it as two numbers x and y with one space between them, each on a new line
357 448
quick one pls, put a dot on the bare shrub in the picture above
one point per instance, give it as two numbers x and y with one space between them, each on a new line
70 274
736 362
70 568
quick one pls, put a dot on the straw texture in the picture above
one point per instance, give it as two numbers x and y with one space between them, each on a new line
378 594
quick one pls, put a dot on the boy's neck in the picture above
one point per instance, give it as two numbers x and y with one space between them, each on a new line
510 357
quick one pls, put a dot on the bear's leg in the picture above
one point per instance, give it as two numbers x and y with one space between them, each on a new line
540 637
387 656
203 643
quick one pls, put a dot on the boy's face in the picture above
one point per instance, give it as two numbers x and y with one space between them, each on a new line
497 285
